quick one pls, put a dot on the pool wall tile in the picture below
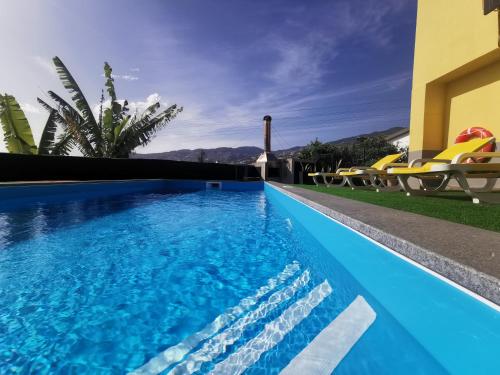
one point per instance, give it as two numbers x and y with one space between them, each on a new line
31 192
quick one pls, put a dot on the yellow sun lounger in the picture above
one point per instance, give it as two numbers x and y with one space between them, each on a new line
374 176
434 174
343 175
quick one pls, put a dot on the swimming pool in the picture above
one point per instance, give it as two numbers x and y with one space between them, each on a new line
179 279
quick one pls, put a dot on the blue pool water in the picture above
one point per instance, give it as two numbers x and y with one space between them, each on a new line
103 285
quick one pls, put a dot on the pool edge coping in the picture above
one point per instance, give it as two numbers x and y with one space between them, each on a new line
483 287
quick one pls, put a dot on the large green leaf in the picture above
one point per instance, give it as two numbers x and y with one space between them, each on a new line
18 137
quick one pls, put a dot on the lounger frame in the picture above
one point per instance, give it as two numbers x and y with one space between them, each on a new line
373 178
330 179
460 171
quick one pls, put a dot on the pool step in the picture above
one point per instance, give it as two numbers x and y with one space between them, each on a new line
332 344
218 344
320 357
273 333
176 353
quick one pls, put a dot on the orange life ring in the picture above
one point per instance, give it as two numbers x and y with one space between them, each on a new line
476 132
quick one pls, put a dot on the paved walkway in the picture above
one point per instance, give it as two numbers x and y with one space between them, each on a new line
467 255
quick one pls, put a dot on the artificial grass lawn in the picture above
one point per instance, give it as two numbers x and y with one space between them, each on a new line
452 206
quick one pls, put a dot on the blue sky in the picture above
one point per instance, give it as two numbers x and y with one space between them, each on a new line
325 69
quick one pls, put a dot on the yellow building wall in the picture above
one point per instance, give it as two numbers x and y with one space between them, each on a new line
456 75
479 90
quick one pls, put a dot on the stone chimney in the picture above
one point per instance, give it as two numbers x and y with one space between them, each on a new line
267 133
267 160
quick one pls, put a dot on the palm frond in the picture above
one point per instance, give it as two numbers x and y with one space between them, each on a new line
123 124
145 117
63 145
114 115
65 141
84 131
101 103
107 128
108 74
58 118
48 135
124 107
64 105
78 98
151 110
141 132
45 105
18 137
76 130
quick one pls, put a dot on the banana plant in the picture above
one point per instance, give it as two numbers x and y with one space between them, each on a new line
18 136
115 133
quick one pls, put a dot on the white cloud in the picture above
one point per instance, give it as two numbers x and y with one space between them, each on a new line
29 108
299 64
139 105
135 70
125 77
128 77
303 60
45 64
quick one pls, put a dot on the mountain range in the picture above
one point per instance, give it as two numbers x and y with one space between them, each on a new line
246 154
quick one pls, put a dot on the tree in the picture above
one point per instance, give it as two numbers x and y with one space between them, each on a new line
115 133
370 149
320 156
328 157
315 149
18 136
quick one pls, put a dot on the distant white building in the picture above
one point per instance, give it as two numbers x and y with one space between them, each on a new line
400 139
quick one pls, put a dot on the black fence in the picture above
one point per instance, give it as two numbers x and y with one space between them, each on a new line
14 167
